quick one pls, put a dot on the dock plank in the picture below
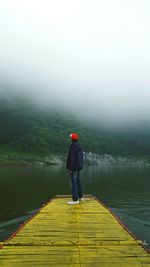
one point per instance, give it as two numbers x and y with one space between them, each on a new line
84 235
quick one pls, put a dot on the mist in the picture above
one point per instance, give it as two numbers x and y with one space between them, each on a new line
90 58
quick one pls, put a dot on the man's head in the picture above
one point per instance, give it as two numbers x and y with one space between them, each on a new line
74 136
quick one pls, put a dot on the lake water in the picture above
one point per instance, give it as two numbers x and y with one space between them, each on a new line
125 190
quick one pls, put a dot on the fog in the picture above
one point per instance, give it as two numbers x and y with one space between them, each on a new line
90 57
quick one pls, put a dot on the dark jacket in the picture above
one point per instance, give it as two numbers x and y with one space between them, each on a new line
75 157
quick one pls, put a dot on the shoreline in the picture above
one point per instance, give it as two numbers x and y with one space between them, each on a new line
105 160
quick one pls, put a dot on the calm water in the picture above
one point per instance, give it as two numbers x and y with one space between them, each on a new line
126 190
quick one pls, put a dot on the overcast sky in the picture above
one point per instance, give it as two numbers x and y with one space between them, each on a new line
90 56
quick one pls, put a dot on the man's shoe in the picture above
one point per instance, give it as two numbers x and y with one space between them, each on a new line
73 202
81 199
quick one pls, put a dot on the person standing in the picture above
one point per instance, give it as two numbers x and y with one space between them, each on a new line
74 165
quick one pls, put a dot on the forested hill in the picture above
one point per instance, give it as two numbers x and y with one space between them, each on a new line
28 128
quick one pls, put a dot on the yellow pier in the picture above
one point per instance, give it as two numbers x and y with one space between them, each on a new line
84 235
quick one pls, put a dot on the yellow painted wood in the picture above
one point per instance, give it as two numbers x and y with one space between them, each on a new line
84 235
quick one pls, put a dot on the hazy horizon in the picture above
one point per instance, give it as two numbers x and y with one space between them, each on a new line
89 57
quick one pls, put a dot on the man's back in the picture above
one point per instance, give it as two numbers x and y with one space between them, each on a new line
75 157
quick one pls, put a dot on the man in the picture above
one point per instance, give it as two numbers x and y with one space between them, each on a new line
74 165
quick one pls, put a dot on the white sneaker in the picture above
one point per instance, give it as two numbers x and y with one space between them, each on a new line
73 202
81 199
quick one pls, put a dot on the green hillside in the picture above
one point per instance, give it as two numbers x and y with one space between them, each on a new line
27 128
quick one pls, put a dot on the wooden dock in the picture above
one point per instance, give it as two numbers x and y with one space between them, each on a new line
84 235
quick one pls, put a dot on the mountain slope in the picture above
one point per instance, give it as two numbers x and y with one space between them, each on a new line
26 127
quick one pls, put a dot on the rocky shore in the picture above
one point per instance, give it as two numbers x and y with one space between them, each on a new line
89 159
108 160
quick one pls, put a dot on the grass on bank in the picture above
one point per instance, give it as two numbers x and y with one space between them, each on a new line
11 156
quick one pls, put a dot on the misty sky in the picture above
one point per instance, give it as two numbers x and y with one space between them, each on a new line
89 56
